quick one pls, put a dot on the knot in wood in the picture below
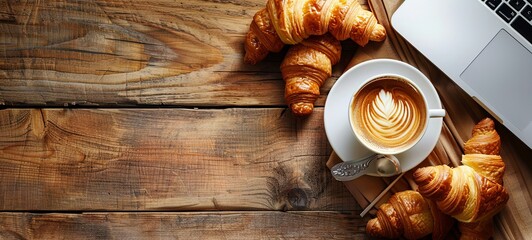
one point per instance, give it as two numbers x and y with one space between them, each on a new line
298 199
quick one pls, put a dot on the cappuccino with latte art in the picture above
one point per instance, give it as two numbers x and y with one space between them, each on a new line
388 114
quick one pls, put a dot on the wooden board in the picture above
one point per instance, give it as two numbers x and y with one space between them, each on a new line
165 159
230 168
121 53
206 225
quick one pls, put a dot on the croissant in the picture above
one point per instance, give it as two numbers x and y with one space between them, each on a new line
483 147
484 139
476 230
305 68
471 192
292 21
410 215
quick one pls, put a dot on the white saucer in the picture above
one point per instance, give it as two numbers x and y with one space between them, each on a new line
336 118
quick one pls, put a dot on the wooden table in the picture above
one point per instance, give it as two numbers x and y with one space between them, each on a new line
139 120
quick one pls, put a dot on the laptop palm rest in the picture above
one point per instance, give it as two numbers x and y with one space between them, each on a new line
499 74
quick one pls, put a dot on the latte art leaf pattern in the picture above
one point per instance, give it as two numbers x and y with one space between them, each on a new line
392 117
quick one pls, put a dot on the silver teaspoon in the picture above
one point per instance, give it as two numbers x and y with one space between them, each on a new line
383 165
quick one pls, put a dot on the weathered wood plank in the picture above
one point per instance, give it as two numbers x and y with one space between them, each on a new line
165 159
108 53
189 225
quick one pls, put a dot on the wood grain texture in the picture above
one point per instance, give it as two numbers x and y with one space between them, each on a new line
125 53
145 170
165 159
191 225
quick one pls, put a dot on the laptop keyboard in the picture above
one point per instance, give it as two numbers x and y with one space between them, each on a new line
517 13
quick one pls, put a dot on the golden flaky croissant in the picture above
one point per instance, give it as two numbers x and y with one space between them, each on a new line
483 148
410 215
292 21
471 192
305 68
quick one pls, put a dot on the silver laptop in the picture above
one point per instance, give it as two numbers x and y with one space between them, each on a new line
485 46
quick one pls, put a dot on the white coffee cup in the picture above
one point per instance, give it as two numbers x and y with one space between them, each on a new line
389 114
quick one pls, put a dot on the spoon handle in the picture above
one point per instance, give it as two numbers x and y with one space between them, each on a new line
347 171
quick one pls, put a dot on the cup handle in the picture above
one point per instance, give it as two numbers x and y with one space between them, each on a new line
436 113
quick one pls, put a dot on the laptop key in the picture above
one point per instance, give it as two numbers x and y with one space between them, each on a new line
517 4
527 13
523 27
506 13
493 3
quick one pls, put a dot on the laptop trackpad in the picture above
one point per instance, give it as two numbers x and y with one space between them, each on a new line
502 74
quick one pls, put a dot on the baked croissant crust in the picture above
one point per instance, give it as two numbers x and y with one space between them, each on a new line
483 150
292 21
410 215
476 230
484 139
305 68
261 38
473 191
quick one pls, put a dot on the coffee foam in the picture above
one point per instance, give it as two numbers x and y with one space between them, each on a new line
389 114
